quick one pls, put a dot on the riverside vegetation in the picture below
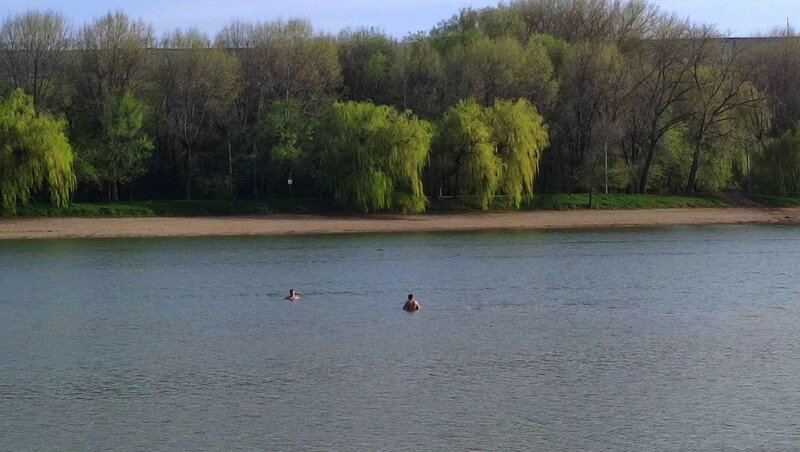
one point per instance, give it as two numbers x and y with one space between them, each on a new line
486 109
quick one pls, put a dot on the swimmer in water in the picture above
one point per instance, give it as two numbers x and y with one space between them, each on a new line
293 296
411 305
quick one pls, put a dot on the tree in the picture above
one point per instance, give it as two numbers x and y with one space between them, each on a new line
111 61
493 23
773 68
197 84
365 56
34 153
520 136
372 157
615 21
283 61
718 105
505 69
290 62
661 72
420 78
777 168
588 119
288 133
464 151
113 57
123 148
33 47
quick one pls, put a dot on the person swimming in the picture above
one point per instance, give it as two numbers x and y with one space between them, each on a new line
293 296
411 305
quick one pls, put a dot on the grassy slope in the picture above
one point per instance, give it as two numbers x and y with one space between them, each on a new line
581 202
175 208
223 207
778 201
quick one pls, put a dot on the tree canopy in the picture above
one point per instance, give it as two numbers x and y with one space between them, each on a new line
373 156
528 96
34 154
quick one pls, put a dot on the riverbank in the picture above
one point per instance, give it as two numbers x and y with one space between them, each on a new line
221 207
42 228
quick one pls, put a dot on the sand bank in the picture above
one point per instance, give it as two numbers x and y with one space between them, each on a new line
39 228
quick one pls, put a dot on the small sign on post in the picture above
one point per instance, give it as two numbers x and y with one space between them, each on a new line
289 182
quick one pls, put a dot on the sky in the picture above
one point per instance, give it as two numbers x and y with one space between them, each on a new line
396 17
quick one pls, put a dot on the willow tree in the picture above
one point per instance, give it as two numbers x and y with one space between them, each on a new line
34 154
520 136
464 153
777 169
372 156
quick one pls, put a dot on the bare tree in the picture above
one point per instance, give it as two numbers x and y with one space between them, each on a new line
197 84
718 103
113 56
662 73
33 48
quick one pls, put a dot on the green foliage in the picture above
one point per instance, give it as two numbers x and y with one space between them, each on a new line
198 86
34 152
372 157
464 150
777 169
520 137
504 69
366 56
490 150
420 79
670 108
287 131
674 160
123 148
557 50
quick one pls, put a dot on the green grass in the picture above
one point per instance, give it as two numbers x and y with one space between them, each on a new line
176 208
285 206
581 202
778 201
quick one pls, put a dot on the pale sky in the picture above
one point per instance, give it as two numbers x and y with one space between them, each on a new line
396 17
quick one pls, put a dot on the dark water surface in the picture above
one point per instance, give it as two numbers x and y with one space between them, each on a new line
639 339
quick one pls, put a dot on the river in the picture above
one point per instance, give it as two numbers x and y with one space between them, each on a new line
679 338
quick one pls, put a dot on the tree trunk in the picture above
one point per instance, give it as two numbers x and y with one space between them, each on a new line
591 196
114 191
690 185
188 182
651 149
255 171
230 170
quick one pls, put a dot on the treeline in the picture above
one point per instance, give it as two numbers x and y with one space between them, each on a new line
534 95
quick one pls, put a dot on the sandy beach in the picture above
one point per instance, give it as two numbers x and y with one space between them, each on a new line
42 228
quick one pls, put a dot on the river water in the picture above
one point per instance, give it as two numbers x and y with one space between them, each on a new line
683 338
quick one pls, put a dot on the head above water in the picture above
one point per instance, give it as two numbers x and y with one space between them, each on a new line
410 297
291 291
